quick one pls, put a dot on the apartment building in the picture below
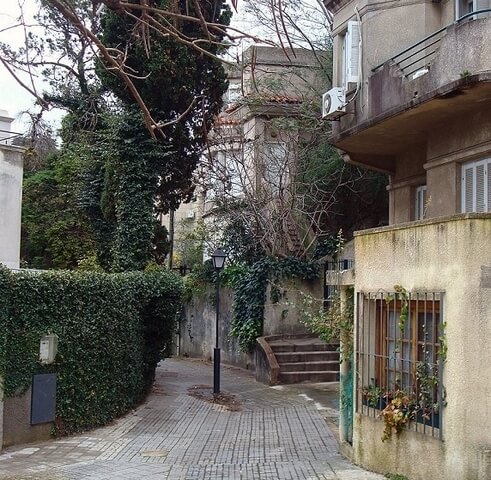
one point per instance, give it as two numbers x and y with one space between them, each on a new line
412 99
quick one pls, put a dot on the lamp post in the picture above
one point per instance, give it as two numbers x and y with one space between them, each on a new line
218 258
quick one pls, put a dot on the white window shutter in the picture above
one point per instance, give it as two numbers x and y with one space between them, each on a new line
352 53
467 189
419 212
488 185
480 180
476 186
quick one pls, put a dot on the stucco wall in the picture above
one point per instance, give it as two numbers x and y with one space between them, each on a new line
10 204
453 255
197 327
17 428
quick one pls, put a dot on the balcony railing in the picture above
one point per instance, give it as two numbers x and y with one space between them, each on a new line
7 137
418 56
340 265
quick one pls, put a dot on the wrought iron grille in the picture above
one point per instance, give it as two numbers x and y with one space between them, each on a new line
400 348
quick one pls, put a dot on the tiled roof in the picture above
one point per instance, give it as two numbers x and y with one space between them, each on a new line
226 120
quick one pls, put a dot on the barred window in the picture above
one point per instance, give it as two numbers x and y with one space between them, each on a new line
399 348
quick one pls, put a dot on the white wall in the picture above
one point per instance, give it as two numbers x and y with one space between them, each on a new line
11 168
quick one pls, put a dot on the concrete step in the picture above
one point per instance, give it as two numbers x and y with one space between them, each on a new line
332 365
296 357
299 377
279 347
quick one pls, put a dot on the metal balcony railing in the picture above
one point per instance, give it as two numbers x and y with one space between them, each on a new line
419 55
339 265
7 137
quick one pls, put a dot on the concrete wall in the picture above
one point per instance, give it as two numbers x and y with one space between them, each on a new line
17 428
197 330
11 170
283 317
452 254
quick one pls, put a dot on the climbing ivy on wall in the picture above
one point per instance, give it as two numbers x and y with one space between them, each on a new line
113 329
250 293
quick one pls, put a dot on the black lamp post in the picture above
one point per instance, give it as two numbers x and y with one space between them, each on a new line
218 258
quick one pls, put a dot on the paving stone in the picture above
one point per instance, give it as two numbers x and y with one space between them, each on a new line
278 434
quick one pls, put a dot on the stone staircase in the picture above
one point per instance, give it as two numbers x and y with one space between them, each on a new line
300 358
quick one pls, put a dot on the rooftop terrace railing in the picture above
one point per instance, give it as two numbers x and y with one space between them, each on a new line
419 55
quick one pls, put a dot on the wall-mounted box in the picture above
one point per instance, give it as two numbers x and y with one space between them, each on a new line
48 348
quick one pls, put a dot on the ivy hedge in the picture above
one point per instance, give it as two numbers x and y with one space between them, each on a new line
113 329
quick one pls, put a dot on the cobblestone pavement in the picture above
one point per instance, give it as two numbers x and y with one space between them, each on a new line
280 433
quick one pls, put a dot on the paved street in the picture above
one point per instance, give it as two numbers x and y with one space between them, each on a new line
258 433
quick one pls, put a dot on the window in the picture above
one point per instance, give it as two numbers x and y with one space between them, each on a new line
420 206
476 186
233 93
398 348
227 172
463 7
275 166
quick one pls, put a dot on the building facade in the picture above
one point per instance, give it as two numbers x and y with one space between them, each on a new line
11 171
414 101
251 155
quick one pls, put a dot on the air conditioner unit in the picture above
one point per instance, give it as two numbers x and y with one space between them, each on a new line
352 54
334 103
190 214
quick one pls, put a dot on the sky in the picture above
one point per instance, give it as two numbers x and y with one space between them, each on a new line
13 97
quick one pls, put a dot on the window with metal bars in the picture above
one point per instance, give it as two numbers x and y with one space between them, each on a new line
399 349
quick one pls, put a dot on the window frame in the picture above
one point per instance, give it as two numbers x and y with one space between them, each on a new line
420 197
474 165
412 341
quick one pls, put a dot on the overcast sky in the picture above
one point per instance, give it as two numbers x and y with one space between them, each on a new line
13 97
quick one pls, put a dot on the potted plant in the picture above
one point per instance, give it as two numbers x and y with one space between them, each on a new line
399 412
428 410
372 396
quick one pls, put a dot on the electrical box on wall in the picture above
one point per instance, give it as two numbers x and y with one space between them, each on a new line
48 348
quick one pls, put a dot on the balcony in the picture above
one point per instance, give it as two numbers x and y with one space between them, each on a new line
444 76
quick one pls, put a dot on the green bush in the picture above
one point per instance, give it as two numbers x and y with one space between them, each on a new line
113 329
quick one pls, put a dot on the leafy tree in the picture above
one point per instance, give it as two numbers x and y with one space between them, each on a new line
175 82
127 175
54 233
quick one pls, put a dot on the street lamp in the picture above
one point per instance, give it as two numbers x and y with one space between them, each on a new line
218 257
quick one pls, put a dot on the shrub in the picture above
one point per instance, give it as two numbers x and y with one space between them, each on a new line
113 329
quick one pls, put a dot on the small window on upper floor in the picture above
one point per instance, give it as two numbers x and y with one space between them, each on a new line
464 7
476 186
233 93
420 204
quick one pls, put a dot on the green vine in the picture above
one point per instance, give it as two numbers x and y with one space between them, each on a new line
113 329
250 293
335 323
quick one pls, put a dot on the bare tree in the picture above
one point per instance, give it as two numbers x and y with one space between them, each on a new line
79 20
